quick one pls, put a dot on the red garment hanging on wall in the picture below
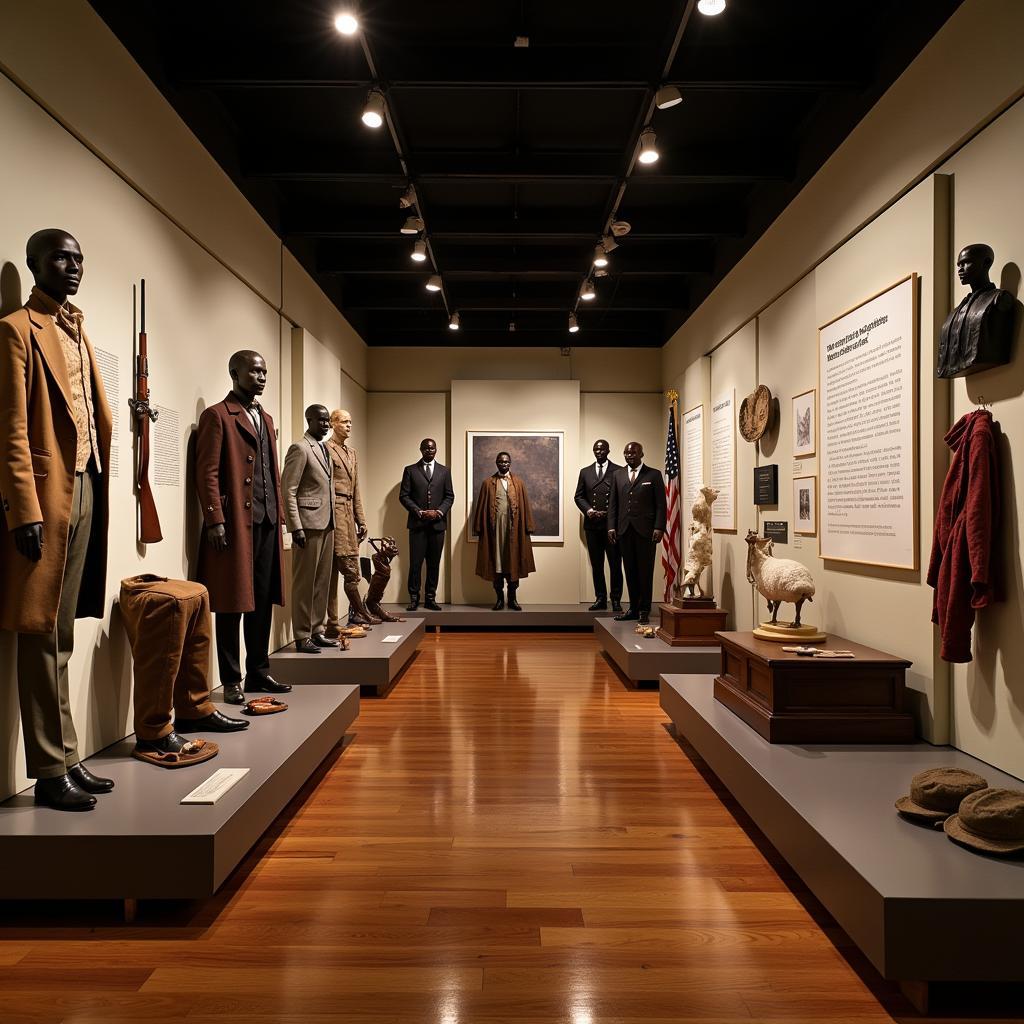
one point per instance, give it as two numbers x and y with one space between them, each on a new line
962 560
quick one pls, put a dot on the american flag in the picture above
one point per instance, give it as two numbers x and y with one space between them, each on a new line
670 542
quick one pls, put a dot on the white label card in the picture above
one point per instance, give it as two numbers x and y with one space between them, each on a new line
392 639
219 783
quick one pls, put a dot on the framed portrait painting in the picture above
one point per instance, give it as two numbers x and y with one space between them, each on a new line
805 505
536 459
804 424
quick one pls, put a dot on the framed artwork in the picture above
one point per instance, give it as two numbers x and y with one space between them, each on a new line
805 505
536 459
805 423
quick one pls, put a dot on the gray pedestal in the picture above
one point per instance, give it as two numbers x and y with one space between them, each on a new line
641 659
139 842
480 616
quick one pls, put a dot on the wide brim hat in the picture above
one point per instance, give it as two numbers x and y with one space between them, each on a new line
991 820
936 793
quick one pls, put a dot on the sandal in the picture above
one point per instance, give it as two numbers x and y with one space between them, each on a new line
264 706
193 752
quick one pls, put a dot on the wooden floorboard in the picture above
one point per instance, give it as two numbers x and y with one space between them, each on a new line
512 836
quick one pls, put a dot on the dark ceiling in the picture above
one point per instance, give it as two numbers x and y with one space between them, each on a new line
521 156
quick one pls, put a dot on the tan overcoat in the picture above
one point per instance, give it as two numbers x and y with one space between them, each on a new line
520 546
38 449
348 503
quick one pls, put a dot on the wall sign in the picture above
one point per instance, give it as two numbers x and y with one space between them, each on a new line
693 456
777 530
766 485
723 461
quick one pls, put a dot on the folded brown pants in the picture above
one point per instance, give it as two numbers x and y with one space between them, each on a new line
168 626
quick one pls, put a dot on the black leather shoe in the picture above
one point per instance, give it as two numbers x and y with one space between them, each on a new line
644 619
305 646
84 779
214 722
514 605
413 604
62 794
627 616
169 744
265 684
616 606
499 603
431 605
321 641
598 606
233 693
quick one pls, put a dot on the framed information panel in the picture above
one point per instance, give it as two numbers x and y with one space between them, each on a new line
867 386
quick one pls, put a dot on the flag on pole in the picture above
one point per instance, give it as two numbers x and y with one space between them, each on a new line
670 542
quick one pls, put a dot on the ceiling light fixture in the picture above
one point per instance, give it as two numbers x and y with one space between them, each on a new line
434 283
609 244
454 323
407 198
588 292
373 112
412 226
600 272
620 227
600 256
648 150
419 251
668 96
710 7
573 324
346 23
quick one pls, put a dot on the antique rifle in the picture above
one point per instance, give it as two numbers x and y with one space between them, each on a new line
149 526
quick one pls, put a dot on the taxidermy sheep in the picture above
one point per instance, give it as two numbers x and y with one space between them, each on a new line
698 558
777 579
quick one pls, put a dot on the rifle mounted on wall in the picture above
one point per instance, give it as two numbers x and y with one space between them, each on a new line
149 520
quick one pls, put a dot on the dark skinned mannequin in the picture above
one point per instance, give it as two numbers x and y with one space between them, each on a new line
318 420
633 453
504 465
428 449
601 451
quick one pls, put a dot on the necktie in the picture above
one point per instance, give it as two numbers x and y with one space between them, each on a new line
600 473
430 471
632 477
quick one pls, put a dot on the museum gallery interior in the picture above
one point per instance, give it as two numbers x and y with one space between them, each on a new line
510 511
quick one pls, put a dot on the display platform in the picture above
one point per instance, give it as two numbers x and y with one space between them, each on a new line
369 663
920 907
480 616
140 842
642 659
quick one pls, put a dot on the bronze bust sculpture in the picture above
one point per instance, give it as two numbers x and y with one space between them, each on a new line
977 334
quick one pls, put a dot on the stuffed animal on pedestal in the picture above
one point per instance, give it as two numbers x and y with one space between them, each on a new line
698 558
778 580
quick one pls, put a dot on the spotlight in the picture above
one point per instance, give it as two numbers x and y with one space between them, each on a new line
588 293
609 244
668 96
373 112
419 251
710 7
453 323
600 256
412 226
620 228
346 24
648 152
407 198
434 283
600 272
573 324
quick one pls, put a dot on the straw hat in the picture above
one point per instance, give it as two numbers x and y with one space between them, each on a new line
936 793
991 820
755 413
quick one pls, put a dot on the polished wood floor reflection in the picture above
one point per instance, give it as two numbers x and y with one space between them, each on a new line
513 836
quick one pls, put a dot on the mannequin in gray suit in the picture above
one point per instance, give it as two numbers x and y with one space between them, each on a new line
309 513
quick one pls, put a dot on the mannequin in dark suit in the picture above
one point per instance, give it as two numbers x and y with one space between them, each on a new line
428 495
636 522
593 493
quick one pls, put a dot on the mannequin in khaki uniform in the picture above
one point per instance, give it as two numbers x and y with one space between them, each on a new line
349 526
309 512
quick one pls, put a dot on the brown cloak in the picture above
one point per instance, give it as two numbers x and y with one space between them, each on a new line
520 546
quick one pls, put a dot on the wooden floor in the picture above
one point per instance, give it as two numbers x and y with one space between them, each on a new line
513 836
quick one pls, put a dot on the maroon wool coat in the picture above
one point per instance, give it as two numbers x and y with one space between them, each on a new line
963 560
226 451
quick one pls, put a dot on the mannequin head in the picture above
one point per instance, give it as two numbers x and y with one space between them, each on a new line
56 261
341 421
601 450
428 449
248 375
633 453
318 419
503 462
973 264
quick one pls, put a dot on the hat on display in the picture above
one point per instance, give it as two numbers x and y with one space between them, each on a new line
991 820
936 793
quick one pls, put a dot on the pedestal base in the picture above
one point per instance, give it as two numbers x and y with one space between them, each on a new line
692 622
786 633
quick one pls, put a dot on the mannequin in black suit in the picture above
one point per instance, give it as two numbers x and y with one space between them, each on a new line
636 522
593 492
428 495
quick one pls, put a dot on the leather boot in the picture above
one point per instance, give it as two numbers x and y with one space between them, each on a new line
374 594
358 614
499 595
513 604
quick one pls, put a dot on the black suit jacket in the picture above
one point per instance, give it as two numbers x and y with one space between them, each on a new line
591 493
641 506
417 492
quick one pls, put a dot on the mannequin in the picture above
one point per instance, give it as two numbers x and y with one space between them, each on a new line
55 429
593 491
427 494
309 508
241 551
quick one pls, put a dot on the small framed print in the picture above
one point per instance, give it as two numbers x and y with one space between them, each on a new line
805 505
804 424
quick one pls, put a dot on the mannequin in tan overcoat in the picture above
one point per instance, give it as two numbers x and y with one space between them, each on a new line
55 430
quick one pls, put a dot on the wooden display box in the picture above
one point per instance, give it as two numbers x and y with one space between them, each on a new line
788 698
693 622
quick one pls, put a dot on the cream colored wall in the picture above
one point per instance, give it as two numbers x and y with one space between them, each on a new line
988 693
